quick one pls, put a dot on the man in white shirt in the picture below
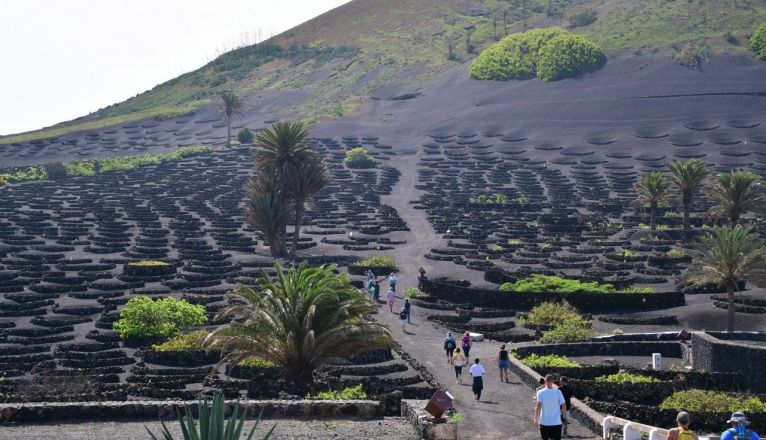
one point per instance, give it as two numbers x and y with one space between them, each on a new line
477 371
549 409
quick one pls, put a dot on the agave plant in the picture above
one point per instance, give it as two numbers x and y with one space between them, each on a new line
212 423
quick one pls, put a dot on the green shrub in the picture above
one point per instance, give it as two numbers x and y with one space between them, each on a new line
55 170
148 263
757 42
414 292
245 136
566 333
359 158
675 253
256 361
349 393
536 361
552 314
34 172
583 18
712 401
84 168
131 162
549 54
376 261
691 56
547 283
625 377
184 342
143 317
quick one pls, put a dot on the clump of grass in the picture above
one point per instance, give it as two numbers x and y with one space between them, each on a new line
256 362
547 283
712 402
184 342
349 393
148 263
625 377
536 361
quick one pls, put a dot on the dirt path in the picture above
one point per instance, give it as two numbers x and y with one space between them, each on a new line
505 410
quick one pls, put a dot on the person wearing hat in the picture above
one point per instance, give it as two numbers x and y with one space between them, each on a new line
738 430
682 432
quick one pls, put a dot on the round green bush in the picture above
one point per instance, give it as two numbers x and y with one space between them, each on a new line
184 342
245 136
757 42
359 158
712 401
144 317
549 54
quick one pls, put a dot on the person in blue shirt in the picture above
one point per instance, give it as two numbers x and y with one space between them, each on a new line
738 430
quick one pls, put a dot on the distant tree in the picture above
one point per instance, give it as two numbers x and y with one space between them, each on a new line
231 106
282 148
735 193
652 190
726 257
268 210
687 178
308 179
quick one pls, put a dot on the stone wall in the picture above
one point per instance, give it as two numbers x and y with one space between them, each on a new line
636 348
710 353
47 412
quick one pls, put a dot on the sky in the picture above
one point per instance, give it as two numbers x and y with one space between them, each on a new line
65 59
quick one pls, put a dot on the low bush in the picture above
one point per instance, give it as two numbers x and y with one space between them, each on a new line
625 377
566 333
55 170
359 158
184 342
350 393
712 401
414 292
757 42
376 261
144 317
536 361
245 136
33 172
131 162
148 263
552 315
255 362
548 54
583 18
691 56
84 168
548 283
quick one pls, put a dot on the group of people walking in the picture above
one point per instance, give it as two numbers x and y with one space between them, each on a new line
373 285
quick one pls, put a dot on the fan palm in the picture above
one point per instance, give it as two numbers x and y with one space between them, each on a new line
268 210
283 147
304 317
727 257
308 179
735 193
687 177
231 106
652 190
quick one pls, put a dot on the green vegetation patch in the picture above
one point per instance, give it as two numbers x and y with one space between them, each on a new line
536 361
349 393
712 401
757 42
359 157
566 325
185 342
144 317
148 263
376 261
549 54
625 377
547 283
256 362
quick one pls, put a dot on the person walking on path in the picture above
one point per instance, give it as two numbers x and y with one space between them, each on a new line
392 281
457 361
682 432
376 291
739 429
403 319
477 372
467 343
503 363
370 279
549 409
408 309
391 300
566 391
449 346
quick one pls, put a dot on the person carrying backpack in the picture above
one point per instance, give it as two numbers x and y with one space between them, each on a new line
449 346
458 360
682 432
738 430
408 309
403 319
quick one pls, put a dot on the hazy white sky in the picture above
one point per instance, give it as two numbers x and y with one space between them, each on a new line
63 59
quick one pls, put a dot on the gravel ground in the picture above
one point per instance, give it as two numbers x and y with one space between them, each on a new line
394 428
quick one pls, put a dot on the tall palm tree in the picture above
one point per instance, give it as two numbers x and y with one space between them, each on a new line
301 319
652 190
735 193
309 178
231 106
268 210
283 147
727 257
687 177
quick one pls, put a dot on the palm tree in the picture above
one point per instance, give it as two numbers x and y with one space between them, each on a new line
268 210
735 193
282 147
687 177
727 257
308 179
231 106
301 319
652 190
